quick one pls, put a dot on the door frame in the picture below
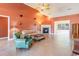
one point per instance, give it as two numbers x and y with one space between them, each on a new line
62 21
8 27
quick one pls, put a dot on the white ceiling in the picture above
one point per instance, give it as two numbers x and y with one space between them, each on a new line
57 9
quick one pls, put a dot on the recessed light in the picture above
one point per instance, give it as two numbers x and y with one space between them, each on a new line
68 8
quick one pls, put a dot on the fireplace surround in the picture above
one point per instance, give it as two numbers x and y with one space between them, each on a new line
46 29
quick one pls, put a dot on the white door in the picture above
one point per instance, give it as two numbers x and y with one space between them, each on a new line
62 29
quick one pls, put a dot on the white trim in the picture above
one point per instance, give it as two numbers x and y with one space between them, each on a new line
8 26
56 31
4 38
43 26
52 33
10 39
3 16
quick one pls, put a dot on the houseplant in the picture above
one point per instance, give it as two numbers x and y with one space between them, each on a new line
18 34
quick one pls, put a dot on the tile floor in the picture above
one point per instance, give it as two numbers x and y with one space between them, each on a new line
47 47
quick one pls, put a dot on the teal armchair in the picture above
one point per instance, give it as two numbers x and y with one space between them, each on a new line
22 42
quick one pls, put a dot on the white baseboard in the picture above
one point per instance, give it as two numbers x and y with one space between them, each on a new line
4 38
10 39
51 33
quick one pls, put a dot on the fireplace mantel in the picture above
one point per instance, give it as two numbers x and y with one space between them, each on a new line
46 26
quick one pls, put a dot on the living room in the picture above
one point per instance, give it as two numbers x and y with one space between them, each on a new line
47 28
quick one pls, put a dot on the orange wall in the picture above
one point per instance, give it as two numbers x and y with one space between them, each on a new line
3 27
73 18
44 20
49 21
14 10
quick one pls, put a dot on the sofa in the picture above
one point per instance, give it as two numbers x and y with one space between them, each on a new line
22 42
35 36
38 37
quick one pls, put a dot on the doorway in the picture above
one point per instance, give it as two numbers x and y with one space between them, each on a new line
4 27
75 31
62 29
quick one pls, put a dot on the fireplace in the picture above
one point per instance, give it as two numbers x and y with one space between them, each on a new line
46 29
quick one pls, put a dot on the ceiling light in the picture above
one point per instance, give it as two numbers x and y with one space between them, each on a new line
46 6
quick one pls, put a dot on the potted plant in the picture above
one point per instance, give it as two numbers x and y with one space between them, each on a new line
18 34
